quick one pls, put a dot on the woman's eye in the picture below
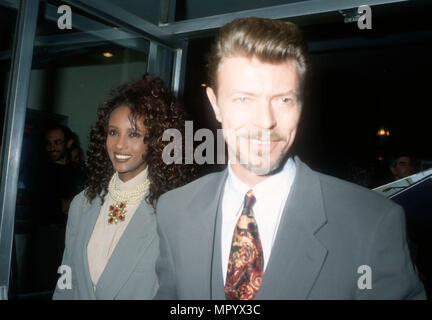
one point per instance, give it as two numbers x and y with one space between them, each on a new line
112 132
134 135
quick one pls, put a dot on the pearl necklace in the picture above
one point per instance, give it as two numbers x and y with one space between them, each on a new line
117 212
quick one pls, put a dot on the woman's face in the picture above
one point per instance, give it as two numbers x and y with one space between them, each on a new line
125 145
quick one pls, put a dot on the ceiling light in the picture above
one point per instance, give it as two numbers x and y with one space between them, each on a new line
381 132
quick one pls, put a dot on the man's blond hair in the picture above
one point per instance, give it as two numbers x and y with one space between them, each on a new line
268 40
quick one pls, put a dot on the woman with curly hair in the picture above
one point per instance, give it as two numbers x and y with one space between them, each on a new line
111 239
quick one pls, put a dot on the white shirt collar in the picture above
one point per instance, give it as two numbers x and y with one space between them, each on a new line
275 187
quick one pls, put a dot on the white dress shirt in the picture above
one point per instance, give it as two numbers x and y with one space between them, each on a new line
105 236
270 194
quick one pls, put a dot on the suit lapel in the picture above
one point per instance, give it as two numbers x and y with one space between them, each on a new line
217 277
127 252
297 256
88 221
201 232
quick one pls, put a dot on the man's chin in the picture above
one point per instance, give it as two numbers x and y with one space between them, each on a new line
261 170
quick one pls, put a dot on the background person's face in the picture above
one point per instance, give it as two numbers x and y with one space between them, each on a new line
403 168
125 145
55 145
257 105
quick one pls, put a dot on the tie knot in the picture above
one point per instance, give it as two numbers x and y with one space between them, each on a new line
249 200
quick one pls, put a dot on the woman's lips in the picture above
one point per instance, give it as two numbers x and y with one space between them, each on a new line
122 157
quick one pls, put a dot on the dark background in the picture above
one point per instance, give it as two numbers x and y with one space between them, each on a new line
360 81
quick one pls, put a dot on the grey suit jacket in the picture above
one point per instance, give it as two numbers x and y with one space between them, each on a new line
130 272
329 228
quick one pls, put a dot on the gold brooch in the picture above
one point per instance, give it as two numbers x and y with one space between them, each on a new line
117 212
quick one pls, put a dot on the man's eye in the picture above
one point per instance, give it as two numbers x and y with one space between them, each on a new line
242 99
285 100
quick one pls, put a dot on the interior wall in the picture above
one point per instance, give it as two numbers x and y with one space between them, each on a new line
77 91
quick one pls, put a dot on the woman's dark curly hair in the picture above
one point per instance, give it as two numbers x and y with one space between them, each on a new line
150 99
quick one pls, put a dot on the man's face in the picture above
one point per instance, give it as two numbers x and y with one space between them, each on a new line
403 168
55 145
257 104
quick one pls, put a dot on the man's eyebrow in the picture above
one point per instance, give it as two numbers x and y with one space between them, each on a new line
286 93
279 94
241 92
283 93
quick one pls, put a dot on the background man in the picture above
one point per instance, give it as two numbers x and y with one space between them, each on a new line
52 183
268 227
62 179
401 166
58 139
54 179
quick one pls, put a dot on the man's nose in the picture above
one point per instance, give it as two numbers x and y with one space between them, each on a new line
264 116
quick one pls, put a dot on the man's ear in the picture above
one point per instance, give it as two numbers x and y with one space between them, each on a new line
213 101
69 143
394 172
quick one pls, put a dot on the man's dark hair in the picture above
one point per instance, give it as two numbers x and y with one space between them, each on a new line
67 133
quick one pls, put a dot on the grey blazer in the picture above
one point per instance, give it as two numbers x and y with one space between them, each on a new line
130 272
329 228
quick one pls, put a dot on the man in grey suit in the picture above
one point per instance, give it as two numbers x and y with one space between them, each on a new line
269 227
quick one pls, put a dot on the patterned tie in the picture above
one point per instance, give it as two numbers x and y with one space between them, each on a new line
245 265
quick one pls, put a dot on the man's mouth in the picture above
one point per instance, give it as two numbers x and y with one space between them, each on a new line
261 146
263 142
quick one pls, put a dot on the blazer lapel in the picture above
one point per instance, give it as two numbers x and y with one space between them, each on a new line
88 221
127 252
297 256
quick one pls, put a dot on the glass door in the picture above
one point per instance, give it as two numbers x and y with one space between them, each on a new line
78 58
